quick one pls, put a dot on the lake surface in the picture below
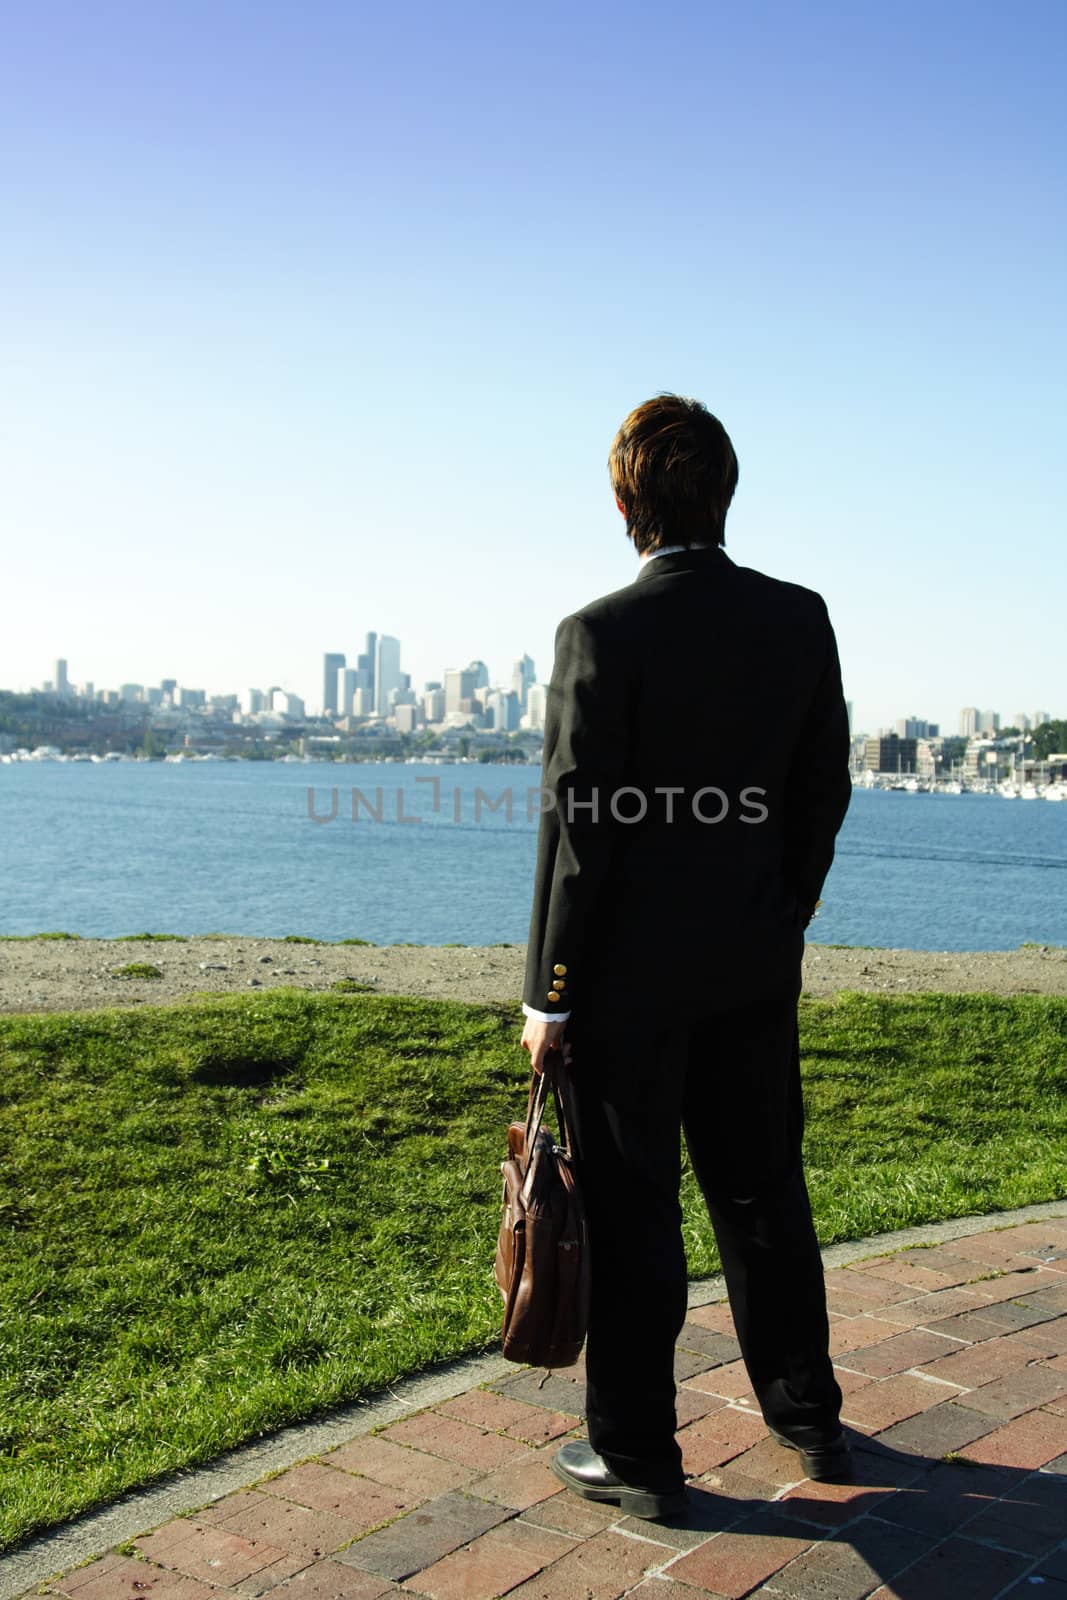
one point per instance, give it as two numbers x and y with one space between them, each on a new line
198 847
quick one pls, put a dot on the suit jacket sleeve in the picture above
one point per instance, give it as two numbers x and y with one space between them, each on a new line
584 756
818 785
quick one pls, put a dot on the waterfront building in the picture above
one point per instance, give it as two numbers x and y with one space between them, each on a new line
888 752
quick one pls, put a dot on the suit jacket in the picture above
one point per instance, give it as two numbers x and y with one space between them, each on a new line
723 686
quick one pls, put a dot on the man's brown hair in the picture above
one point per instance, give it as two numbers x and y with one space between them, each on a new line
674 469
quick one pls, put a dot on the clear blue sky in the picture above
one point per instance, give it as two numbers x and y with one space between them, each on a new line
320 317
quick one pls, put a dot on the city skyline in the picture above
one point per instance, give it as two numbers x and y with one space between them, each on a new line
334 315
970 720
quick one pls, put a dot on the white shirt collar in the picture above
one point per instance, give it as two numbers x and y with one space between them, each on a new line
674 549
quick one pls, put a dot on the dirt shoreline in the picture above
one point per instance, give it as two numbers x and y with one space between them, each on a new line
79 974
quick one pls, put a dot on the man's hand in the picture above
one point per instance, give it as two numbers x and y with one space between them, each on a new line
541 1037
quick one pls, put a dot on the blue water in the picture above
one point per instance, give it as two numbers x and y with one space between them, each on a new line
123 847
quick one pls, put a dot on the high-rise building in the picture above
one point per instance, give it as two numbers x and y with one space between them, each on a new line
62 683
502 708
459 687
368 661
988 722
1040 717
916 728
286 704
332 664
969 721
387 674
1021 721
848 712
481 675
433 704
348 678
535 706
522 676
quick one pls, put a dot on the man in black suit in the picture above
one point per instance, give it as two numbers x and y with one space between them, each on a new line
695 774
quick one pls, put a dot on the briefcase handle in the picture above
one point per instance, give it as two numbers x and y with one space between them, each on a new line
540 1084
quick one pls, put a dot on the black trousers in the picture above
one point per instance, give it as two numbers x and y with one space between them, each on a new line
732 1080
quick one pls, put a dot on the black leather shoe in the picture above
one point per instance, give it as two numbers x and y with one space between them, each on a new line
826 1463
577 1465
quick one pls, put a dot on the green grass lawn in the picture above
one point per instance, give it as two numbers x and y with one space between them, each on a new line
221 1217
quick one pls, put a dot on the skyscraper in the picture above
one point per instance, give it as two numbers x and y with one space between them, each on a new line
387 674
332 664
369 661
459 687
433 704
62 685
522 676
535 705
503 708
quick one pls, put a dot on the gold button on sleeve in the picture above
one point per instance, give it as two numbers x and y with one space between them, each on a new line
560 970
552 995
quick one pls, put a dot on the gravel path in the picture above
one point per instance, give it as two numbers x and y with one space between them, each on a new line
79 974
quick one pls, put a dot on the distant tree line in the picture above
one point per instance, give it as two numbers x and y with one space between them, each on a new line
1050 738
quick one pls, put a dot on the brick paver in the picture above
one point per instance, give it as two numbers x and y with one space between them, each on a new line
494 1563
601 1568
847 1568
953 1363
957 1567
885 1401
733 1563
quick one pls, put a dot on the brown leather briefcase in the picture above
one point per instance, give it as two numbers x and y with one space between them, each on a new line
542 1255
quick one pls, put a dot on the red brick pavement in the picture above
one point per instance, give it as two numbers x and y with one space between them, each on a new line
952 1361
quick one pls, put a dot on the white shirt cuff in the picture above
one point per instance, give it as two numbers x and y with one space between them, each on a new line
545 1016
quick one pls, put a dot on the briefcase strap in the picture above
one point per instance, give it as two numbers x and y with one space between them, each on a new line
540 1084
